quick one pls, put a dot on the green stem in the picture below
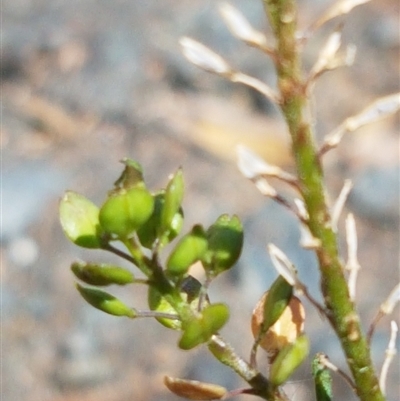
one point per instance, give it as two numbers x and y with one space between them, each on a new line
294 104
259 383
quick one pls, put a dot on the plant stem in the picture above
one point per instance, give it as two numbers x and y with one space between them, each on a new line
294 104
259 383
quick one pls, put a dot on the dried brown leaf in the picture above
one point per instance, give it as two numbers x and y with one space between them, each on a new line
193 389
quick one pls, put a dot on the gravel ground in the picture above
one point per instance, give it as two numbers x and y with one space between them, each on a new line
85 84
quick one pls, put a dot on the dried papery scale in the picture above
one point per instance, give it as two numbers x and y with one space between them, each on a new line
205 58
329 57
208 60
193 389
284 331
241 28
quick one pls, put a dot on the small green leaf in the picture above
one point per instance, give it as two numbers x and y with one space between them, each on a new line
200 330
101 274
105 302
225 242
322 380
173 199
79 219
188 250
288 360
125 211
193 389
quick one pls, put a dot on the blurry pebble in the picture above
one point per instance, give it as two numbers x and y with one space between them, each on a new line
23 251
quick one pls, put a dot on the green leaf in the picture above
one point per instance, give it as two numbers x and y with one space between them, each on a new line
200 330
322 380
225 242
79 219
125 211
101 274
105 302
187 251
288 360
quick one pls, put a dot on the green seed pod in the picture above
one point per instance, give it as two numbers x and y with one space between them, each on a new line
105 302
278 299
190 291
225 241
101 274
173 199
131 177
188 250
193 389
322 379
288 360
125 211
200 330
79 219
150 231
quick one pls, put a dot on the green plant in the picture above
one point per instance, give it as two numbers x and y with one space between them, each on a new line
144 223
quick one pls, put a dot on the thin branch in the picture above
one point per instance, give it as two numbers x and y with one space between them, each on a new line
352 264
252 165
339 204
287 270
390 353
118 252
256 84
324 360
377 110
157 315
386 308
340 7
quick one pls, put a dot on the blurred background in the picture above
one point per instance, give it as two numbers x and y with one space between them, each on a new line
86 83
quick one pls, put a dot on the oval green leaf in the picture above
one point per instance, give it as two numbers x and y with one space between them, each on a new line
79 219
105 302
